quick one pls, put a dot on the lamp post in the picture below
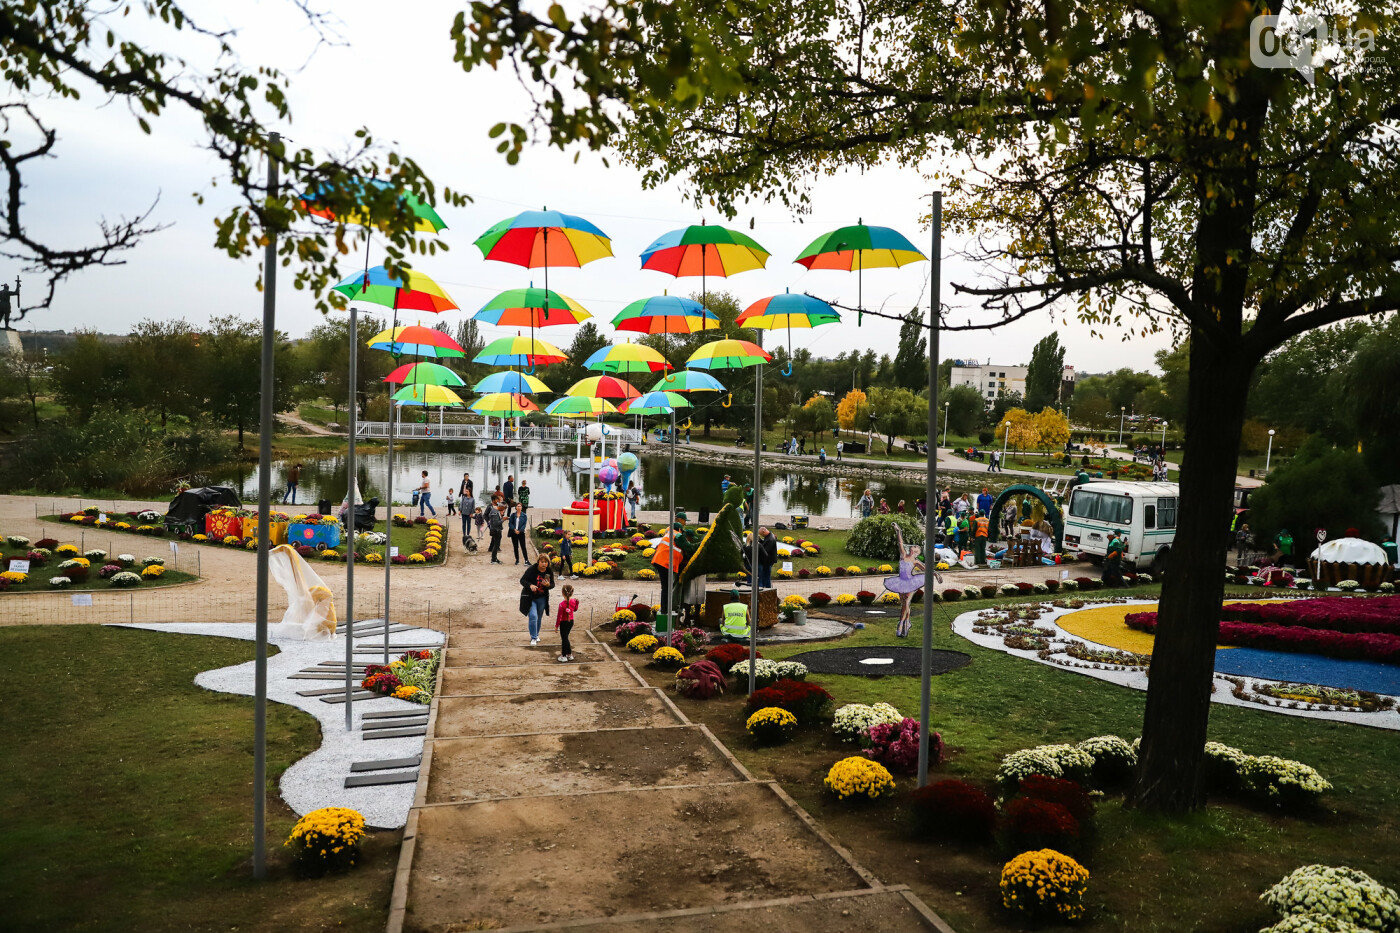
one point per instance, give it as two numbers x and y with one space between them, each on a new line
1164 440
1005 438
945 424
1122 412
1270 455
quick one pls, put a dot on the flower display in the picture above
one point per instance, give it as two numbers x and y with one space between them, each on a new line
126 560
125 578
330 553
765 672
852 722
66 550
823 571
888 599
1068 794
1313 923
668 658
1343 894
726 656
803 699
700 681
1044 884
858 778
626 631
1363 631
60 583
794 601
896 745
327 840
865 597
646 573
17 541
1224 765
853 570
624 615
417 558
95 554
846 599
153 572
1049 760
109 570
1282 781
771 725
689 641
642 644
374 557
1114 759
953 809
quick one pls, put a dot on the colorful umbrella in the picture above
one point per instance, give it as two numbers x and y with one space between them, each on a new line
428 374
602 387
656 403
426 219
520 351
512 382
504 404
531 307
426 395
727 354
857 248
416 340
579 406
704 251
787 311
688 380
627 358
665 314
536 239
410 291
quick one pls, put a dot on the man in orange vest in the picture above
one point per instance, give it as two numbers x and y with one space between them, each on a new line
667 561
979 538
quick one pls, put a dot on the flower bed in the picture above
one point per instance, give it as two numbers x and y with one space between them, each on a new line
1044 885
411 677
1336 899
327 840
1367 646
58 565
804 700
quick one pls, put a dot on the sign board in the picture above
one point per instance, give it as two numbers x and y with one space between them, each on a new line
787 566
102 517
1322 536
82 599
175 548
19 566
393 552
1064 574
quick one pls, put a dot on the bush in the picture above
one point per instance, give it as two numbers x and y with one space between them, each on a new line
700 681
896 745
1115 761
819 599
1032 824
858 778
689 641
874 537
726 656
1066 761
1340 893
953 810
327 840
1068 794
642 644
668 659
1282 782
803 699
952 594
853 721
771 725
865 597
1052 585
1223 766
1044 885
627 631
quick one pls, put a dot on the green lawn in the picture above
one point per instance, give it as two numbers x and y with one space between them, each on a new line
127 793
1201 873
39 576
776 439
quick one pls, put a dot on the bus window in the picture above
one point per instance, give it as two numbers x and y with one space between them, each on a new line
1117 510
1166 508
1149 519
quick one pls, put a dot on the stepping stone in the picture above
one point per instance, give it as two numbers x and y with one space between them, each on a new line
358 675
376 780
395 733
387 764
355 698
376 724
331 691
394 714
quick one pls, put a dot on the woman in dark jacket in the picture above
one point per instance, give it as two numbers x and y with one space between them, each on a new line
535 585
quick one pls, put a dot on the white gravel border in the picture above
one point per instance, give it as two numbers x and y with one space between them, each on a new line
318 780
1137 680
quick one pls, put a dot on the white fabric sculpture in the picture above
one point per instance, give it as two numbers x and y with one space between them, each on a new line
310 614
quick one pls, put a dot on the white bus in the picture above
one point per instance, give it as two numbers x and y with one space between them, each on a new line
1143 514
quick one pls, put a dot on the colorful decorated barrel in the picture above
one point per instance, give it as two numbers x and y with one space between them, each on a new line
300 534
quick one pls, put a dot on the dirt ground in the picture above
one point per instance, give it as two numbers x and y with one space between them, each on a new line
888 911
483 681
552 712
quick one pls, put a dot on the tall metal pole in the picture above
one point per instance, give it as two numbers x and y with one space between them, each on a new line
945 423
671 576
350 544
264 522
389 494
930 485
757 477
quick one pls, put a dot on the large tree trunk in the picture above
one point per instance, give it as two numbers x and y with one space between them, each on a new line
1183 654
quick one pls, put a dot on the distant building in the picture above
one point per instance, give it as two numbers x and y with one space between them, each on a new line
991 379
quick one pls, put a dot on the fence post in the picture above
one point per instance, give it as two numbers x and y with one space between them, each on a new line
131 607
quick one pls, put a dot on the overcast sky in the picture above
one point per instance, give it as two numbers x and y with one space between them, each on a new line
396 75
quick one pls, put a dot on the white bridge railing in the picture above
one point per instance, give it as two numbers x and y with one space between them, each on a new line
480 432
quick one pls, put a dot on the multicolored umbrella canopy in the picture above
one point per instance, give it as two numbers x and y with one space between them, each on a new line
512 382
656 403
627 358
536 239
416 340
602 387
727 354
579 406
505 404
409 291
859 247
426 219
428 374
665 314
784 312
427 395
688 380
520 351
704 250
531 307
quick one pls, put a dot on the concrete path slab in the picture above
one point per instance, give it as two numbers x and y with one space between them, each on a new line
545 859
580 711
574 762
518 655
481 681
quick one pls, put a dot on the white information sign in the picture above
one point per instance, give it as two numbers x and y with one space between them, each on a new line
82 599
787 566
175 547
19 566
393 552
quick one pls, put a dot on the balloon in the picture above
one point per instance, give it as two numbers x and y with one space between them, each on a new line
612 462
627 462
607 475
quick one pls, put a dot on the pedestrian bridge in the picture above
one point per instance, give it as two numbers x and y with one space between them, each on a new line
480 432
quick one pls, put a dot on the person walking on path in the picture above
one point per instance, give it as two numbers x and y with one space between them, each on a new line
451 504
566 556
866 504
767 557
839 446
523 494
519 524
634 499
735 625
992 462
1241 540
535 585
904 585
508 490
467 492
425 496
294 480
564 621
494 523
821 456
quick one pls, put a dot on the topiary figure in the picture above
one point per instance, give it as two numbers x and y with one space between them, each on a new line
874 537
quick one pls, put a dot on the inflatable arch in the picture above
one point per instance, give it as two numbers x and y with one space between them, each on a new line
1052 511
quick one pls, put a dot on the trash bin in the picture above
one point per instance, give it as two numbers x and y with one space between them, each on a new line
324 506
704 515
1390 551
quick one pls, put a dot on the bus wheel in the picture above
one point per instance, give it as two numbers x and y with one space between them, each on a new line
1159 564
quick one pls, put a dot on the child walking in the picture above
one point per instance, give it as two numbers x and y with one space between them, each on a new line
451 503
564 621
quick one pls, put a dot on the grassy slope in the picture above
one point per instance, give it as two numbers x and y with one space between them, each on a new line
1204 872
127 793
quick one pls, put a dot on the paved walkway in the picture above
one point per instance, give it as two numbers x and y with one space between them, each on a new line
575 794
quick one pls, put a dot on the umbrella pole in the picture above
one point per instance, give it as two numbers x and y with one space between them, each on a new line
350 545
757 474
389 485
591 466
672 577
930 488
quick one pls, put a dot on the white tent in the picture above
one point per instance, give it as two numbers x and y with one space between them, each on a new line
1349 551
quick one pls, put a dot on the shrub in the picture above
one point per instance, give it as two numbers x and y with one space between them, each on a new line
846 599
770 725
952 594
642 644
1035 824
819 599
988 590
327 840
1282 782
125 578
1114 759
765 672
856 777
1052 585
865 597
51 544
971 592
1044 885
700 680
668 658
1313 923
1223 766
803 699
896 745
874 537
689 641
726 656
1007 589
108 571
624 615
954 810
60 583
630 630
1341 893
642 611
1050 760
852 721
1068 794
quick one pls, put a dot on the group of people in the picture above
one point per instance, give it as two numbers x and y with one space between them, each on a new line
505 513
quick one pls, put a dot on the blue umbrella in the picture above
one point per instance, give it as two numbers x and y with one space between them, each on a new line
512 382
656 403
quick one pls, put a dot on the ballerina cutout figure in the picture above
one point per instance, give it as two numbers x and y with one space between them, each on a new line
904 584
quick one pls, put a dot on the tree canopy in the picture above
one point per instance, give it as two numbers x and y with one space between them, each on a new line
1045 373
